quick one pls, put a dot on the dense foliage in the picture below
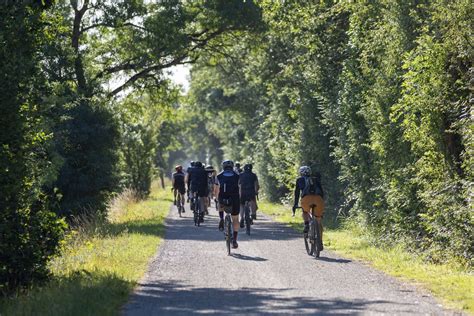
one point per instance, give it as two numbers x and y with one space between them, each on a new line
86 109
376 96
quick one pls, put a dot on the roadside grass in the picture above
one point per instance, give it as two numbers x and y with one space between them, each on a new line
100 265
452 284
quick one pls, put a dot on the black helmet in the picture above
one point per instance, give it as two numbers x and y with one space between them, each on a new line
193 163
237 164
227 164
248 167
198 164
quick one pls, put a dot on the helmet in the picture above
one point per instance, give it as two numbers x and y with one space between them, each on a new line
305 170
237 164
209 168
198 164
248 167
227 164
193 164
178 168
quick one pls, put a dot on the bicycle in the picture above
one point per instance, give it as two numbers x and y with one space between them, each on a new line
228 231
196 209
313 239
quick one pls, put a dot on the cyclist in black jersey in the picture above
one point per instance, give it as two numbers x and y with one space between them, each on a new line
179 188
198 185
227 191
248 184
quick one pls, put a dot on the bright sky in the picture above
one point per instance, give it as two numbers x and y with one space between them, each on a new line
180 75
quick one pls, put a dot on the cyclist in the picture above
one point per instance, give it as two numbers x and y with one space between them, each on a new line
237 168
198 186
179 188
311 194
188 180
227 191
248 184
211 173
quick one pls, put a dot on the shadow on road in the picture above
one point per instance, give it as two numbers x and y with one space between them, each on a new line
184 229
247 258
334 260
174 298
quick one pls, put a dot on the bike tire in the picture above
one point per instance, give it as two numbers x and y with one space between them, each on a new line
195 213
317 238
228 232
247 219
307 242
198 207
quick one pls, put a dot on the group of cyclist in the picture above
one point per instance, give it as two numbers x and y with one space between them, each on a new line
233 187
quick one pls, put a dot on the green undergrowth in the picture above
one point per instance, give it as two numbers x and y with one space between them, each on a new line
101 263
452 284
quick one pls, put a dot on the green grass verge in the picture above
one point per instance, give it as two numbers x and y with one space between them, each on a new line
453 285
95 273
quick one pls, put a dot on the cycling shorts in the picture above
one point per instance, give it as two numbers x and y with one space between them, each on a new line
234 203
180 188
314 202
244 197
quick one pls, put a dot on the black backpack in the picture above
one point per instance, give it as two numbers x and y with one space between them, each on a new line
312 186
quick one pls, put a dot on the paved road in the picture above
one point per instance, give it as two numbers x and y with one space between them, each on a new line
270 273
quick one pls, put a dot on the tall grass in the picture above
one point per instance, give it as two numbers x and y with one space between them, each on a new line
101 261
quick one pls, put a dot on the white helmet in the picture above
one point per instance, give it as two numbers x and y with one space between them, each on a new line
305 170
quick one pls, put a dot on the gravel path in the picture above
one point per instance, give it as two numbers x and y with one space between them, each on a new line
270 273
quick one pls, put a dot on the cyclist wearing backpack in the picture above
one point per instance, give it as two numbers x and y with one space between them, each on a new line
198 186
227 192
311 196
248 183
179 188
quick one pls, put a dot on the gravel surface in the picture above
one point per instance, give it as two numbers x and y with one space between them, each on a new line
270 273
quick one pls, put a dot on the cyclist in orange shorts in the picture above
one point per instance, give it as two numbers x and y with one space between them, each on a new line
311 191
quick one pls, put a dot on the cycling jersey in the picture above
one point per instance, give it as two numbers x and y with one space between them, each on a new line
228 182
247 182
178 182
198 180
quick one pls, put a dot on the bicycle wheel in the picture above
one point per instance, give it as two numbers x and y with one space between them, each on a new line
228 233
307 243
195 212
198 207
317 239
247 218
316 236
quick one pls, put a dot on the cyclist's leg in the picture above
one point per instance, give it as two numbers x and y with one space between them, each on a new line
202 203
235 217
306 206
253 206
174 195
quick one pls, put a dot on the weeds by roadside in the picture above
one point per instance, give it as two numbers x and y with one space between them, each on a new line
101 261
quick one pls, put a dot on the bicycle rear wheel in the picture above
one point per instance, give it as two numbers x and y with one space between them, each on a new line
196 213
317 239
307 243
247 218
227 232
